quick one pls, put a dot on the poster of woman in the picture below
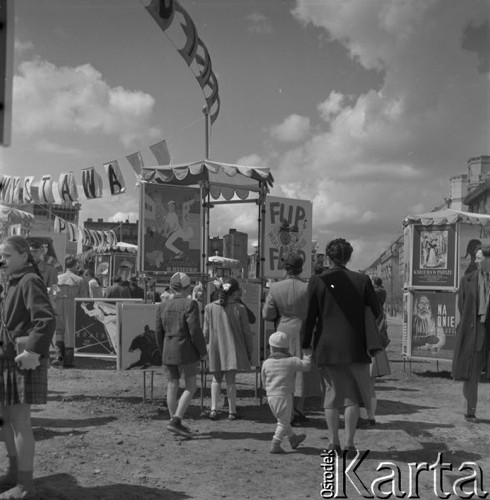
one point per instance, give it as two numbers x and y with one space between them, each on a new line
434 257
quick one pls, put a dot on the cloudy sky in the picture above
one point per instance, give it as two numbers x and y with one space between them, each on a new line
365 108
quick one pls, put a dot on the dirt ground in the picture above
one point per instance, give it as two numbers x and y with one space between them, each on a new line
97 439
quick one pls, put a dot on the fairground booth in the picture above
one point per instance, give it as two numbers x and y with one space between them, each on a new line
439 249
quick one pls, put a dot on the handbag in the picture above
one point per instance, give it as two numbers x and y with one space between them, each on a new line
380 365
374 343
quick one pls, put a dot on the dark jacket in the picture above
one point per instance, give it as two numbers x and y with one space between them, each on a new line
336 306
26 310
464 348
119 290
136 291
178 332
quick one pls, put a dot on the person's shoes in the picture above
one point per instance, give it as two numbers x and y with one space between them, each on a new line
57 363
364 423
296 439
472 418
7 482
213 415
175 426
276 447
372 422
350 452
233 416
18 492
334 447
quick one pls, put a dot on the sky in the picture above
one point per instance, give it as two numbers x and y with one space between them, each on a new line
366 108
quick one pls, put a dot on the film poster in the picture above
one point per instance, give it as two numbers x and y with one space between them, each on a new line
432 324
434 257
170 235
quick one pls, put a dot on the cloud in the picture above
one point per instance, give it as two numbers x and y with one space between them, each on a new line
123 216
77 99
21 46
46 146
259 24
331 106
390 150
293 129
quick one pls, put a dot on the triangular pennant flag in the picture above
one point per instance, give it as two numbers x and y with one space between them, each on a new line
67 187
116 180
45 190
161 153
59 224
27 189
16 189
72 231
136 161
6 188
92 183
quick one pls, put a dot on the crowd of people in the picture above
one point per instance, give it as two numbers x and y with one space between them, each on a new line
324 344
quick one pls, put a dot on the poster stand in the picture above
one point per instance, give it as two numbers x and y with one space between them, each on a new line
439 249
210 177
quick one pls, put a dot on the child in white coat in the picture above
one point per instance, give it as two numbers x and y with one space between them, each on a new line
278 377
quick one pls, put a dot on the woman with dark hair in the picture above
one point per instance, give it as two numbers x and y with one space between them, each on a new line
285 305
338 298
227 333
26 315
471 250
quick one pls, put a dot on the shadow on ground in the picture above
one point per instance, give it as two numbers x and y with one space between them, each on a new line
65 487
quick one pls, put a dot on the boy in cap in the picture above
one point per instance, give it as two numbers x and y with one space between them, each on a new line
278 377
181 341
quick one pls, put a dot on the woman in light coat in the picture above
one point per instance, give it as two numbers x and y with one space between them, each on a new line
285 305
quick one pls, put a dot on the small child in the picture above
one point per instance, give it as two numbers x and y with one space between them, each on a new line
278 377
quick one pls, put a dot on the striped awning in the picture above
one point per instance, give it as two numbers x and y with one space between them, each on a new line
225 180
447 216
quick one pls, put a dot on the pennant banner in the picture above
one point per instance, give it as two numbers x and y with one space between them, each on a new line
115 178
161 153
194 52
92 183
136 161
67 187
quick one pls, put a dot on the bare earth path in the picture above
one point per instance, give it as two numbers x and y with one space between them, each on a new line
96 439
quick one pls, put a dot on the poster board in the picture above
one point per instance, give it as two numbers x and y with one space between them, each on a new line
287 229
170 230
407 306
432 322
137 342
96 327
433 252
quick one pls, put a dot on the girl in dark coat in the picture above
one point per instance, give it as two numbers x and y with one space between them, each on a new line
25 312
337 300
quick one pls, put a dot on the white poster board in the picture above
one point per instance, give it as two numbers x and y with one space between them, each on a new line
96 327
137 342
288 229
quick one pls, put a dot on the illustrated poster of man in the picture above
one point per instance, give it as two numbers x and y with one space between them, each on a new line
172 228
433 257
288 229
433 325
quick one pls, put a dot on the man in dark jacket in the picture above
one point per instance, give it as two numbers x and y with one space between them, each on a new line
472 346
134 289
